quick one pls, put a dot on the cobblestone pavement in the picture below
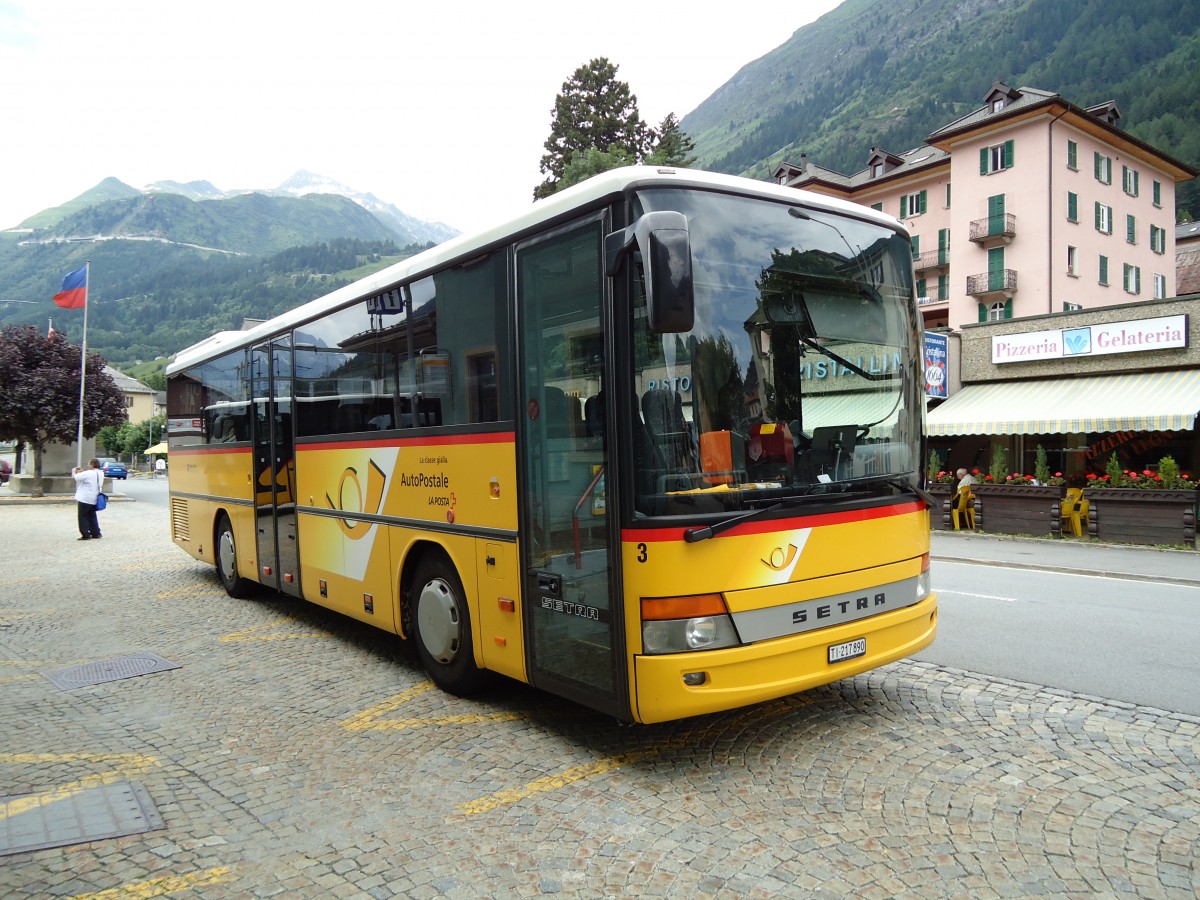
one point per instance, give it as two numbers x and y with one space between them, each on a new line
295 753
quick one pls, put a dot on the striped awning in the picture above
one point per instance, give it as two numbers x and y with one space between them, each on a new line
1147 401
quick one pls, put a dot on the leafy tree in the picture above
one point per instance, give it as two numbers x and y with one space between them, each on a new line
592 162
39 393
593 111
673 147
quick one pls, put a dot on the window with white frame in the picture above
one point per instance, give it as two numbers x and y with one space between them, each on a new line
1072 206
1131 229
1158 239
1129 181
1160 286
1068 306
1132 279
996 158
1072 254
1072 155
1157 188
1103 168
1103 218
996 311
912 204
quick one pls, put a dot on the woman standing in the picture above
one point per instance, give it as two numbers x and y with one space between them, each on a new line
88 483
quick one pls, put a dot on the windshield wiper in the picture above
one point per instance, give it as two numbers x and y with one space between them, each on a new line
896 481
692 535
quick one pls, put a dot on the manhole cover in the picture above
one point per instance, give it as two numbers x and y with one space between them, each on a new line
54 820
104 670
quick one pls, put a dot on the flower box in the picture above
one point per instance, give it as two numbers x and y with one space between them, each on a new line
1141 516
1017 509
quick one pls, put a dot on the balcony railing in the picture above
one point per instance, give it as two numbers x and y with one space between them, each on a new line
994 228
999 282
932 259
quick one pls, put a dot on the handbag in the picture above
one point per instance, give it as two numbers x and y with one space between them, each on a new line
101 498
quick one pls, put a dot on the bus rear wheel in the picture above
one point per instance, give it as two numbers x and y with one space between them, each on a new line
443 626
227 562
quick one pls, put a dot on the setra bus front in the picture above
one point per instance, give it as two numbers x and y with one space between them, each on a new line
774 534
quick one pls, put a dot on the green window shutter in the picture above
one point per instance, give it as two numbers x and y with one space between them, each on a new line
904 207
1008 308
1104 270
947 195
982 312
878 206
1072 206
1137 178
1072 155
1131 229
1008 154
943 287
983 168
921 202
1157 194
916 245
921 288
1098 222
1097 165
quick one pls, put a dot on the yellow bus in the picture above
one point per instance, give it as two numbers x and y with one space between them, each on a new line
654 446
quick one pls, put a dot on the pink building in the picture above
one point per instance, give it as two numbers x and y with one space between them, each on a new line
1026 206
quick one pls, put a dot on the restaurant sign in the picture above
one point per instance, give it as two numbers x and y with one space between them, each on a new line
1137 336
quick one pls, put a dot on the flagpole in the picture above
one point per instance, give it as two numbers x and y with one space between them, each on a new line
87 281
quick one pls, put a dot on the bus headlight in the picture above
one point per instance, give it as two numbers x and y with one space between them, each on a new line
680 624
682 635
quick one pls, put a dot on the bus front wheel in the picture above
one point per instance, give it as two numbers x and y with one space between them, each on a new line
227 564
443 625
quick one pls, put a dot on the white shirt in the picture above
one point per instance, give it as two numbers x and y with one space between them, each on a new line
87 485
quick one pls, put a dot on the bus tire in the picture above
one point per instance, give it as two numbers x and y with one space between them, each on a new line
227 561
443 627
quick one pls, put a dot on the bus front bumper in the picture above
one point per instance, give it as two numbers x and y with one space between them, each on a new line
740 676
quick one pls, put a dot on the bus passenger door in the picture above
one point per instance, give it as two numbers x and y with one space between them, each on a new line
275 468
572 620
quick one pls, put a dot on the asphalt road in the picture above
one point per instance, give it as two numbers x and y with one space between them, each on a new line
1132 641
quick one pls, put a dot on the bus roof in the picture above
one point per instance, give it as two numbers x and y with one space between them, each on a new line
559 205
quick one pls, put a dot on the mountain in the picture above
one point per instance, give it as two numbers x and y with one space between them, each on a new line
407 228
872 74
400 226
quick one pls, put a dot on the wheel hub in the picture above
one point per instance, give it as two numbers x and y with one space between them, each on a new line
438 621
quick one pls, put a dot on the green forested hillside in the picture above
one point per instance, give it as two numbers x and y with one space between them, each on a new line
249 224
154 299
887 74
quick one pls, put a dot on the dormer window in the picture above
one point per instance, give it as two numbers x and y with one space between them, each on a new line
997 104
876 170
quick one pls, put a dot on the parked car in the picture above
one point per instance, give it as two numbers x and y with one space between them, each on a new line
113 469
5 471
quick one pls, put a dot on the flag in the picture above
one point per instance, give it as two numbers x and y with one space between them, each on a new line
74 290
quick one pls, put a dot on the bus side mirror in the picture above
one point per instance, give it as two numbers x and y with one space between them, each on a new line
665 245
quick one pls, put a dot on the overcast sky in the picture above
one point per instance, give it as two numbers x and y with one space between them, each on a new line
439 107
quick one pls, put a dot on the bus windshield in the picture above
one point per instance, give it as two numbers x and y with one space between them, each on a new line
800 376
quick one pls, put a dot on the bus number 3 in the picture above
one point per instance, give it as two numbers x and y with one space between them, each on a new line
641 557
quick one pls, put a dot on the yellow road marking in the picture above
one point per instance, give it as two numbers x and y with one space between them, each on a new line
128 764
158 887
550 782
8 679
13 616
365 720
255 633
184 592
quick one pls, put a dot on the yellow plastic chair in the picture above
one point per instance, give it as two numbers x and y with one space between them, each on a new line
962 508
1074 511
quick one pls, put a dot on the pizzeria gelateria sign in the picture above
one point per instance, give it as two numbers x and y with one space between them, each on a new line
1138 336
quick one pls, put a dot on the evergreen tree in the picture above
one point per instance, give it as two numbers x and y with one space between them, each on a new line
39 393
672 147
594 111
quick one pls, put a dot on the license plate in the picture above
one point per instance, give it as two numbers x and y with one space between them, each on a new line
848 650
